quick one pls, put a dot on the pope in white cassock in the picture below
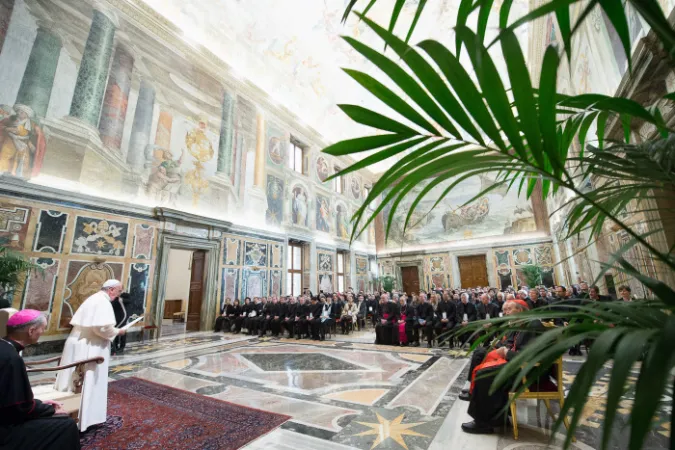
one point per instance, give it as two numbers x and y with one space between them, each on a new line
93 330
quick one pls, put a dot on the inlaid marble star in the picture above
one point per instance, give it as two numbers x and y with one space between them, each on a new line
390 429
124 368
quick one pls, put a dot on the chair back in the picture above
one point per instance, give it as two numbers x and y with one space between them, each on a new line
5 314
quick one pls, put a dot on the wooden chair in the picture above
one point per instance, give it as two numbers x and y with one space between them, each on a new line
71 400
546 394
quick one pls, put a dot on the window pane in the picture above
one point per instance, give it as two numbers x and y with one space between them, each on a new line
290 257
340 263
290 156
298 159
297 284
289 286
297 258
341 283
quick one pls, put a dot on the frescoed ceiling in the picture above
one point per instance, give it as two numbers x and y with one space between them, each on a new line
293 51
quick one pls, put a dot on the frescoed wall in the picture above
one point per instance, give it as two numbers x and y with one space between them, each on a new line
496 214
104 103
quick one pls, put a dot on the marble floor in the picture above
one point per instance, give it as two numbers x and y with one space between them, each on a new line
341 393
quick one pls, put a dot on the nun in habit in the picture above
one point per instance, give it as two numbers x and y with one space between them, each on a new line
93 331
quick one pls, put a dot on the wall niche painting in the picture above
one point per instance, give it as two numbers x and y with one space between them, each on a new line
275 203
14 222
326 283
322 168
299 206
342 221
276 145
323 214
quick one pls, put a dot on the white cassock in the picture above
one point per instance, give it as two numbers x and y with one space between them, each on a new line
93 330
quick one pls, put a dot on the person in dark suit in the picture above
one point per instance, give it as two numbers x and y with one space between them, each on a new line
466 312
120 305
488 409
446 318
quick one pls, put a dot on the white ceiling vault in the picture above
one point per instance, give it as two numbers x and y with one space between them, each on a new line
292 49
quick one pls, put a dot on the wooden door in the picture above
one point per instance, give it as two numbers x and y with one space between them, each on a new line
473 271
411 279
196 290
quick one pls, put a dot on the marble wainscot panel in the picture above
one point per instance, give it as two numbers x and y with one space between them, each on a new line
254 283
304 412
50 231
14 222
230 285
138 288
100 237
84 278
232 252
38 291
144 241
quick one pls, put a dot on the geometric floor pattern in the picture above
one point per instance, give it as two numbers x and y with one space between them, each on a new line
348 393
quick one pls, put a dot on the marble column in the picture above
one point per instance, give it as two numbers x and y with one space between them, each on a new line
142 127
111 125
259 173
38 79
6 8
225 148
164 125
93 73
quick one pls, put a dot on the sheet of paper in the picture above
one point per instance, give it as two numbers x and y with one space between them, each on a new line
132 323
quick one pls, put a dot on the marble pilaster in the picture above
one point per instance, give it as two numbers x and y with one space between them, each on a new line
93 73
38 78
142 127
225 153
111 125
259 173
6 8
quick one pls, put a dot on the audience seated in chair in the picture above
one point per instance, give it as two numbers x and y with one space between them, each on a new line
25 422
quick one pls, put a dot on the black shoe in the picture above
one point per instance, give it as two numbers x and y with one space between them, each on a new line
477 428
465 396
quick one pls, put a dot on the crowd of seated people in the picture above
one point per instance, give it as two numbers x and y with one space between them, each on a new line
398 318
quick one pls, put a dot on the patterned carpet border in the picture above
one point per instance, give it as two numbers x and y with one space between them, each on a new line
147 415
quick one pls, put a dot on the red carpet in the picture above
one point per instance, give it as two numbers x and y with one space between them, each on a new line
146 415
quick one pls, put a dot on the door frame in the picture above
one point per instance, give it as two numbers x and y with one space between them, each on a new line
489 264
420 271
168 241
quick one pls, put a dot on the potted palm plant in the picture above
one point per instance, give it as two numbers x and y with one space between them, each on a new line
14 268
458 123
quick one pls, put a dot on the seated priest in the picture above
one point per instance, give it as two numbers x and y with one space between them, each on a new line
488 410
25 422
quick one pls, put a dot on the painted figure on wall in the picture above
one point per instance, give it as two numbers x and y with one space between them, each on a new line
355 188
199 146
326 283
342 222
322 214
275 189
299 206
22 143
275 151
165 180
322 168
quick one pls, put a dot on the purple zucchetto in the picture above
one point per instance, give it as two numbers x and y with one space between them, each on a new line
22 317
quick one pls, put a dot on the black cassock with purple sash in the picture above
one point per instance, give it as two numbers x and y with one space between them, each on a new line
25 422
